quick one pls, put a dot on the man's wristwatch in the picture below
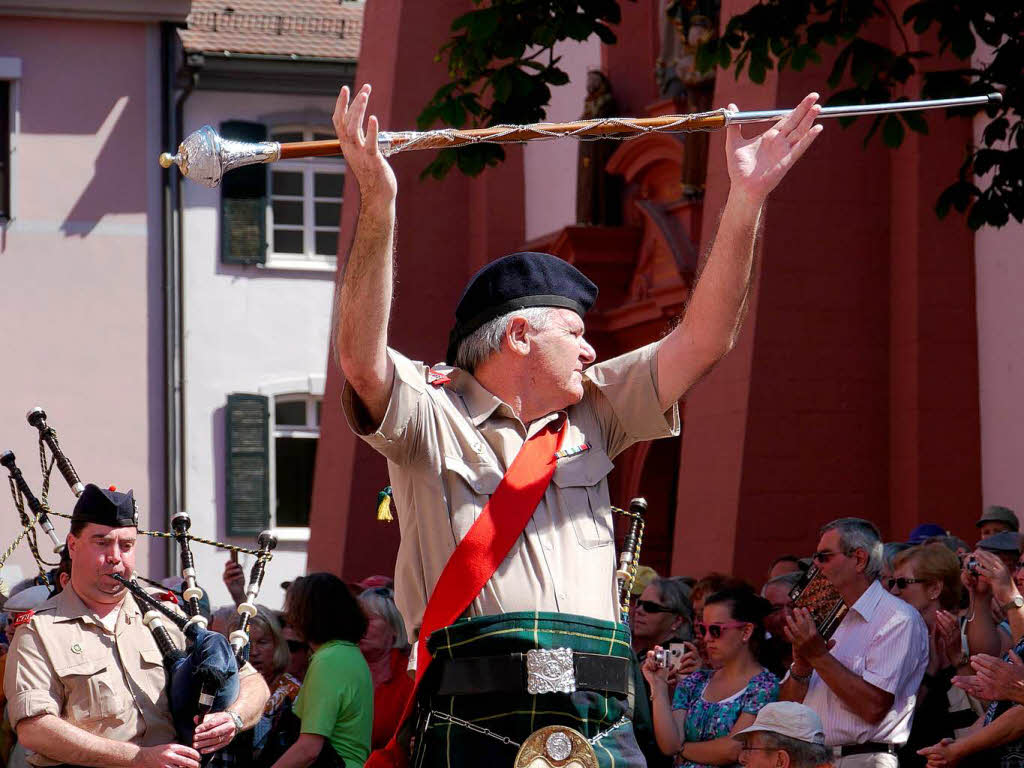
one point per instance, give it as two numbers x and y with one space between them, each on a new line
1016 602
237 720
797 676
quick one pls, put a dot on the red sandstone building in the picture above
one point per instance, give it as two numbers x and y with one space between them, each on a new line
854 388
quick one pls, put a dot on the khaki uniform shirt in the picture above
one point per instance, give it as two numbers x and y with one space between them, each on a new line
64 662
448 448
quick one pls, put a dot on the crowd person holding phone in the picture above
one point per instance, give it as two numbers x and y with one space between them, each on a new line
698 722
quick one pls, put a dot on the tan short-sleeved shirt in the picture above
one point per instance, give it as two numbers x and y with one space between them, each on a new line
64 662
448 448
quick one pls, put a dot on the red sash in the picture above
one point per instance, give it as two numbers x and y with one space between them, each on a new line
478 556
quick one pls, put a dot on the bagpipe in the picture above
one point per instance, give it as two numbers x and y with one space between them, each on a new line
203 676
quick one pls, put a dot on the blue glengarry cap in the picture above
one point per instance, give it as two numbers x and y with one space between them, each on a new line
518 281
106 506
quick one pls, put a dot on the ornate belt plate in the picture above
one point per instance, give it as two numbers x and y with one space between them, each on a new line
550 671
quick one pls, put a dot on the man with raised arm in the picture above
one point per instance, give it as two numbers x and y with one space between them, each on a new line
499 462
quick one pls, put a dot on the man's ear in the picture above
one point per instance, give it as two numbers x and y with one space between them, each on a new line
71 542
517 335
862 559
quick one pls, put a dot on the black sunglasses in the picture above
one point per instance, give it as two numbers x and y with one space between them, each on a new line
903 583
294 646
650 606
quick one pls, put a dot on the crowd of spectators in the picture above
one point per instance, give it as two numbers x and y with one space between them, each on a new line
924 670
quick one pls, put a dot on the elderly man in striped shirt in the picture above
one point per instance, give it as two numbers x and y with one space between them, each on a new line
863 683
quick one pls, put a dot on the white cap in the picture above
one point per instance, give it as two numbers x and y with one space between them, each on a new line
787 718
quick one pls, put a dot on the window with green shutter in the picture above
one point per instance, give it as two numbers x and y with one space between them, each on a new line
243 202
248 464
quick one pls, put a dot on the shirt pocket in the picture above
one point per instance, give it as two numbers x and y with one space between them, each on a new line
469 485
153 680
91 691
583 496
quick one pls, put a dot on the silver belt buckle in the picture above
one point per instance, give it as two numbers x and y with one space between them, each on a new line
550 670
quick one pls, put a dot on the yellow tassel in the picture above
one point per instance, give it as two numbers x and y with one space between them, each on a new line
384 498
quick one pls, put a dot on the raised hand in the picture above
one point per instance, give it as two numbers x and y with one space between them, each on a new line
653 672
991 569
757 165
234 580
362 155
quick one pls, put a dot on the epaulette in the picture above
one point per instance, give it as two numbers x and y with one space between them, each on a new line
439 375
20 619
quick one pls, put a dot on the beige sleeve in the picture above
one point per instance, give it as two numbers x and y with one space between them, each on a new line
623 394
30 683
397 436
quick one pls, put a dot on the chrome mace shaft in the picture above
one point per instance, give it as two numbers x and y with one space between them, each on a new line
204 156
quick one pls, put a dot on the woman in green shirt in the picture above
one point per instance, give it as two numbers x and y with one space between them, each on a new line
335 703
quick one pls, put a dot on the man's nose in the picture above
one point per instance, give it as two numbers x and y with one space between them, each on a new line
587 354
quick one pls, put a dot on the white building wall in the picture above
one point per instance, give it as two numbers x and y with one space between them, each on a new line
247 329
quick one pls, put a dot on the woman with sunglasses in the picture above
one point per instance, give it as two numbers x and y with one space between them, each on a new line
928 578
709 706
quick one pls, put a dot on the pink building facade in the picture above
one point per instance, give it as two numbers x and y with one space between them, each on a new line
81 262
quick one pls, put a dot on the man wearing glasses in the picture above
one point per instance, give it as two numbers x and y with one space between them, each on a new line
784 735
864 682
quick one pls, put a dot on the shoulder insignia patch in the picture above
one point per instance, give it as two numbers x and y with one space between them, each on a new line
23 618
167 597
436 378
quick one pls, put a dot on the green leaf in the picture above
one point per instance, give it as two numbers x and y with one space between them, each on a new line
555 76
995 131
483 24
915 121
757 70
604 34
840 66
892 131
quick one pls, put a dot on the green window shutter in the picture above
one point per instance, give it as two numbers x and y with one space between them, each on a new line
247 425
243 202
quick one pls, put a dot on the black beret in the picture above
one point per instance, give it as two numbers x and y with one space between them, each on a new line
106 507
518 281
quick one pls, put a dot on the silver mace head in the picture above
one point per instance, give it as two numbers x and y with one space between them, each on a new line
205 157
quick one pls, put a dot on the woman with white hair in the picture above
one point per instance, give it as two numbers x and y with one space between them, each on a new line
385 647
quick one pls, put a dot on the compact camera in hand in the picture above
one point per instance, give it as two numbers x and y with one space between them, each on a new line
671 657
972 565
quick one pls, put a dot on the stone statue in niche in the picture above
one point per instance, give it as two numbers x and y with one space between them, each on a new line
598 194
685 25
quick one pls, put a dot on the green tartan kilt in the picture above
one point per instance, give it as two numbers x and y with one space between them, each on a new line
443 744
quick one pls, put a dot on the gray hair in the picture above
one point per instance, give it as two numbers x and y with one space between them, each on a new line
487 339
787 580
675 595
856 533
381 601
892 548
802 754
